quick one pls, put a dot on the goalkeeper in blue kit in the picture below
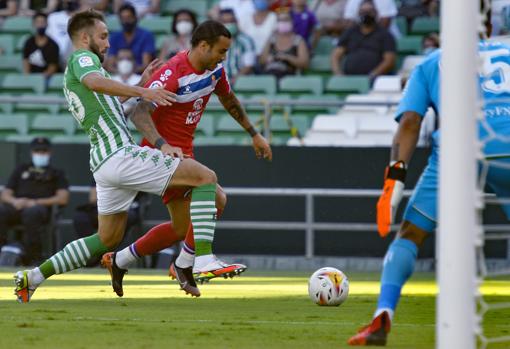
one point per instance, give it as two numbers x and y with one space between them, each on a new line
420 216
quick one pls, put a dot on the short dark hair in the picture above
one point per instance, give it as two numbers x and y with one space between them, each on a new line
128 7
227 11
184 11
83 20
210 32
39 14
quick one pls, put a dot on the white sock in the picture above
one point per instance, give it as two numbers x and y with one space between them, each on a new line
185 259
202 261
35 277
126 256
388 310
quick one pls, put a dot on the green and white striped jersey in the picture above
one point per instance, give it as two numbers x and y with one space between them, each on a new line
100 115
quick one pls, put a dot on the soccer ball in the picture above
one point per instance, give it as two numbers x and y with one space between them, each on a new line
328 286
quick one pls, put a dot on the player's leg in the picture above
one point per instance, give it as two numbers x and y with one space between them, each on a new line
419 220
74 255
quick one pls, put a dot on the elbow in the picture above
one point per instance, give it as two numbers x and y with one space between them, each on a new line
410 123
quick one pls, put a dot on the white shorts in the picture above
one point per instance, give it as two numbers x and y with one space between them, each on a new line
128 171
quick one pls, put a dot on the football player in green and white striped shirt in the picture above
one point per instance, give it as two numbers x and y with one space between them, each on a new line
120 167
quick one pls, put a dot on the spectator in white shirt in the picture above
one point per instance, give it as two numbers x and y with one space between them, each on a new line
242 9
260 26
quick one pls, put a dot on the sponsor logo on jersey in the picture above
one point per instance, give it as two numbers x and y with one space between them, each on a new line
187 89
194 116
197 105
156 84
85 61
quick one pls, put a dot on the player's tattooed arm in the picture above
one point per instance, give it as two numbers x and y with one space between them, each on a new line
141 118
236 110
406 138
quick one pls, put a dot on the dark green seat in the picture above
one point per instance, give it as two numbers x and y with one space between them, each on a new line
51 125
320 64
199 7
324 46
253 84
299 85
425 25
227 126
205 126
409 45
347 84
18 25
157 25
23 83
11 64
35 107
6 44
56 83
13 124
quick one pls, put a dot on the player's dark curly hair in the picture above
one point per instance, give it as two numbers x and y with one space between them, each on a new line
210 32
83 20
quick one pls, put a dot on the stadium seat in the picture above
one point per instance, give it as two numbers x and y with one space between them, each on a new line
335 124
318 106
56 83
113 23
409 45
17 25
35 107
6 107
425 25
11 64
378 130
157 25
343 85
301 85
6 44
50 125
387 84
320 65
20 43
251 84
13 123
227 126
281 126
402 25
199 7
217 140
23 83
367 104
324 46
206 126
75 139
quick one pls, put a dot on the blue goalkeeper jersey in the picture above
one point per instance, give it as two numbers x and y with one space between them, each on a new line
422 92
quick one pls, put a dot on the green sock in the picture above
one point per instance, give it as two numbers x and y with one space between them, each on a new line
203 217
73 256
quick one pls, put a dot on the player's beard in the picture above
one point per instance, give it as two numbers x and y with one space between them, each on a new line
95 49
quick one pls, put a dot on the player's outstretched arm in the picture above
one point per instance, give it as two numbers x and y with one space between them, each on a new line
236 110
404 144
141 118
98 83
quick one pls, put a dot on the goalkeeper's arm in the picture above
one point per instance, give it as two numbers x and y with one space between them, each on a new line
404 144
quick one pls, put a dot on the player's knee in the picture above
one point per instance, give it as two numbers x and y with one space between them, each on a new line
411 232
207 176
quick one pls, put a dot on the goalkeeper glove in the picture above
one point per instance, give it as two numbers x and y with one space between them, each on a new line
394 178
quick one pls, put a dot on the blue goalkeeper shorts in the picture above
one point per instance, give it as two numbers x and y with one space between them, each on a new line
421 210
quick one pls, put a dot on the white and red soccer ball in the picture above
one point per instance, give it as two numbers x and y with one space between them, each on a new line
328 286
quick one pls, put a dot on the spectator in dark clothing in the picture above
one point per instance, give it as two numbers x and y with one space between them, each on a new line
368 48
304 20
40 52
30 193
138 40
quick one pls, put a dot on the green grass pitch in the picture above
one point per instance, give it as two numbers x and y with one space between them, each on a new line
258 310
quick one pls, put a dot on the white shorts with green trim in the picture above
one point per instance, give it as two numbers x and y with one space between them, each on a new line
128 171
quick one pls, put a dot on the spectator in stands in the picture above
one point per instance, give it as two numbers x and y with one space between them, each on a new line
281 5
126 74
144 8
29 195
304 20
430 43
369 48
57 27
286 53
241 57
259 26
410 9
386 10
138 40
183 24
8 8
330 14
40 53
242 9
29 8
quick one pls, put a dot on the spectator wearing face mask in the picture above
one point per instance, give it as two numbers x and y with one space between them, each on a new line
286 53
386 13
183 24
126 74
241 57
368 48
259 26
28 196
138 40
40 53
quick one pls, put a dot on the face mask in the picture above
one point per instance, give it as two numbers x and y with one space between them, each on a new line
260 5
284 27
367 19
40 160
184 27
128 27
72 6
125 67
41 31
232 28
